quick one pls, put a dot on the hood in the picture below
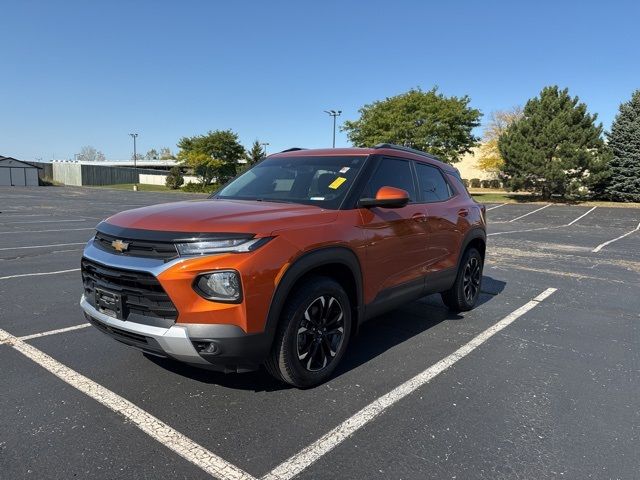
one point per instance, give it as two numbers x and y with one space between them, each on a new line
228 216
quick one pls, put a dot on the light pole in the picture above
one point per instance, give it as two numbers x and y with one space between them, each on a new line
334 114
264 145
135 157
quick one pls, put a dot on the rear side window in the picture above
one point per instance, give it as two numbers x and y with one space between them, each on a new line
457 181
433 186
391 172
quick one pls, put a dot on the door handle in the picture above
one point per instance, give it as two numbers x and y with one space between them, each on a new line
419 217
463 212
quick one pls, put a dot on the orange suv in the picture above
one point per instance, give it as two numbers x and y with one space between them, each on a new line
281 266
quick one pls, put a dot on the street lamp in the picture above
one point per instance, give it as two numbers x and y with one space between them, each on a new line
334 114
135 157
264 145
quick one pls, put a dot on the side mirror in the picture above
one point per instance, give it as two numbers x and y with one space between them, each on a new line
387 197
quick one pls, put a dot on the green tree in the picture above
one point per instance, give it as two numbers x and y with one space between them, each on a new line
624 142
175 179
427 121
214 155
555 148
204 166
255 153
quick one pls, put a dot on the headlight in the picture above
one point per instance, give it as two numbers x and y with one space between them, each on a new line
223 286
229 245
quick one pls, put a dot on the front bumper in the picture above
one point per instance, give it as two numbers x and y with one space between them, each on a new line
236 351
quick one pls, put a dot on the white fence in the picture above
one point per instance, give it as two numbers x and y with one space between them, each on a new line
146 179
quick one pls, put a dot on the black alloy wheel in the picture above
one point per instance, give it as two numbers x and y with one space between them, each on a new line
320 333
464 293
313 333
471 277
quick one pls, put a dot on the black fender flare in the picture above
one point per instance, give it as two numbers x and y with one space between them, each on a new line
303 265
473 234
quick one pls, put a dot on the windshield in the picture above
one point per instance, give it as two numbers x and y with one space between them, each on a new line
321 181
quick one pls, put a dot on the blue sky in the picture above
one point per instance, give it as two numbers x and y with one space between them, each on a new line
80 73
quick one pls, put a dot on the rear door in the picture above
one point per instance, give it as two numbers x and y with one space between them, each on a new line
444 213
394 237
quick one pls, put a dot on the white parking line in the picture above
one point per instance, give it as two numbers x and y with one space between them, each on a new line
527 214
543 228
39 274
43 246
497 206
155 428
299 462
14 214
580 217
602 245
523 231
44 231
55 332
43 221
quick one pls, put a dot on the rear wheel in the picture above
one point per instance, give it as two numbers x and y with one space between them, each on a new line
313 333
464 293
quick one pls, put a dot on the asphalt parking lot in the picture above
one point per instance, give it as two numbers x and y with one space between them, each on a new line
524 386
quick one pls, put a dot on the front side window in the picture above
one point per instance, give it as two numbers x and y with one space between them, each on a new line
433 186
321 181
391 172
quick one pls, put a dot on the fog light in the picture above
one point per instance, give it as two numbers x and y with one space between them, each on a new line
223 286
205 347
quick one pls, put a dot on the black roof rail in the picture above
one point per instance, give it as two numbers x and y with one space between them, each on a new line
406 149
293 149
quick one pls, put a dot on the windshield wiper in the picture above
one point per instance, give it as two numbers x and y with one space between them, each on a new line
274 200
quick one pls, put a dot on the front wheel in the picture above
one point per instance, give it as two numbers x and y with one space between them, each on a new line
313 333
464 293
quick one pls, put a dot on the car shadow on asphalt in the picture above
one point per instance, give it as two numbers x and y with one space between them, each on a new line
393 328
374 338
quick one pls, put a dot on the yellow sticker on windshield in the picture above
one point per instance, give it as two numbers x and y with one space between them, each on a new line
337 182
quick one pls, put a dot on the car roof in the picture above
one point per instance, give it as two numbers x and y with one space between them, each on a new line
382 149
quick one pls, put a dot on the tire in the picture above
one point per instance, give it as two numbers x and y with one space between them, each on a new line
312 335
464 293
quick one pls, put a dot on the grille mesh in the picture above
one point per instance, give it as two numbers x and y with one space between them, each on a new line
141 292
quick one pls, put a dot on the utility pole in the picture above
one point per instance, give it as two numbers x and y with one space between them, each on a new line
135 158
264 145
334 114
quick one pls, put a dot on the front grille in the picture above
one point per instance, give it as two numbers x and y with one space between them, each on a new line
137 248
142 294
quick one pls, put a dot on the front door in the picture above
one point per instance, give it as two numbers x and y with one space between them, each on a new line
395 238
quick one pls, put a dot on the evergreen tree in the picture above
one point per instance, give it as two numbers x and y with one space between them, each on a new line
555 148
624 141
255 153
174 179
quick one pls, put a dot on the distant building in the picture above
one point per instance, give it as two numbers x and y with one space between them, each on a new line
154 164
14 173
469 168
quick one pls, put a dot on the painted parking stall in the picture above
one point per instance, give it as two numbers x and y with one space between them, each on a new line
420 395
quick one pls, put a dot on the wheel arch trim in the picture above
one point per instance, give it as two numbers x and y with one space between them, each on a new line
304 264
476 233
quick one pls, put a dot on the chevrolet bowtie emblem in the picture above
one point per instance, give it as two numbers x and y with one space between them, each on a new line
119 245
